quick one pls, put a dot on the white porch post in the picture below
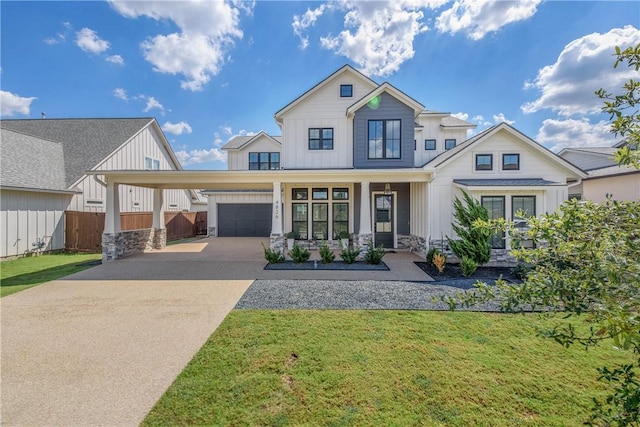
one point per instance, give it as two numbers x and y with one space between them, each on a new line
365 209
112 209
276 212
158 211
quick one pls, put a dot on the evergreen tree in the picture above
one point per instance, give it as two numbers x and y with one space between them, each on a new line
474 241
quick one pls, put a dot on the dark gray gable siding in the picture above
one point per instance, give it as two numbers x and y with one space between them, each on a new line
389 109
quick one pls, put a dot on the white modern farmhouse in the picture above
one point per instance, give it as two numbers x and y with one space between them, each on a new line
366 158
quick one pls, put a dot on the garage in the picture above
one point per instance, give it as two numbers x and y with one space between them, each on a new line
244 220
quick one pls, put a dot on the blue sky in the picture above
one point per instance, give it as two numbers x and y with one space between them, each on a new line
211 70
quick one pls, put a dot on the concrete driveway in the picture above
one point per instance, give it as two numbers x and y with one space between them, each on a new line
101 346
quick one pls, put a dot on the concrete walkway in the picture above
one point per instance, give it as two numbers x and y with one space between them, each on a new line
88 353
101 346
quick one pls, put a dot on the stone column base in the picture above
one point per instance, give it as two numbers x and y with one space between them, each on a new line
159 238
211 231
361 241
277 242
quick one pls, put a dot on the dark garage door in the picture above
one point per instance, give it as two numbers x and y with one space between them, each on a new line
244 220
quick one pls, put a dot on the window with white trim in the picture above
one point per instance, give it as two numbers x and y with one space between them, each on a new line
151 164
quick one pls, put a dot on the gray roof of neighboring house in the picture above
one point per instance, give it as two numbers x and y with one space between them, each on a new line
85 142
239 141
29 162
611 170
517 182
451 121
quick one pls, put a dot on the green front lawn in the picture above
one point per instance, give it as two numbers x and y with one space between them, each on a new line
24 273
373 368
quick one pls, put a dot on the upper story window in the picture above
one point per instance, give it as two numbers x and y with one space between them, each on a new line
429 144
384 139
511 162
320 138
264 161
346 91
449 144
484 162
151 164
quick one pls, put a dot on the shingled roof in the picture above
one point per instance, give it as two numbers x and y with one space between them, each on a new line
84 142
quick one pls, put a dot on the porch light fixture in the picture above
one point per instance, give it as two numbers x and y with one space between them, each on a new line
387 188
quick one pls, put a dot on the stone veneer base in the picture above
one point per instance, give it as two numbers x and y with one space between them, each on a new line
124 243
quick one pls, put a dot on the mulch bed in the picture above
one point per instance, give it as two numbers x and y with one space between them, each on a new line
453 272
336 265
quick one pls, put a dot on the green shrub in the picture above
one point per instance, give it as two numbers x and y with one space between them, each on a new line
342 235
475 241
325 254
349 255
299 254
272 256
431 253
374 255
521 270
468 266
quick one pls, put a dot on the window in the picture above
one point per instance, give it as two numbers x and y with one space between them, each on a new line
321 139
320 220
300 224
320 194
495 206
449 144
577 196
525 205
94 202
429 144
300 194
340 194
484 162
340 218
511 162
264 161
151 164
346 91
384 139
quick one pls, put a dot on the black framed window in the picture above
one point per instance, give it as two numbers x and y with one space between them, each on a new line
300 222
449 144
384 139
495 205
320 221
429 144
320 194
320 138
527 206
340 218
264 161
340 194
346 91
511 162
484 162
300 194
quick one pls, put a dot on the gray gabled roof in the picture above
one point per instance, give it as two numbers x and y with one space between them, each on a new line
451 121
85 142
501 182
238 142
31 163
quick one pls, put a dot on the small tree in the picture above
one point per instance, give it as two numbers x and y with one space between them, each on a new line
475 241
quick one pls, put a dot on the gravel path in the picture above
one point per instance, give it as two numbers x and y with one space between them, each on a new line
359 295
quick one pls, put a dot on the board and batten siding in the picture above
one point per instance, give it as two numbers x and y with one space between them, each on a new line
132 199
323 109
389 109
239 159
532 165
26 216
431 129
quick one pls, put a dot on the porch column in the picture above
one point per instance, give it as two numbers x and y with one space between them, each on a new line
276 240
365 209
158 211
112 209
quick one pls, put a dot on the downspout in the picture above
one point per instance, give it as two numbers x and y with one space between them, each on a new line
99 181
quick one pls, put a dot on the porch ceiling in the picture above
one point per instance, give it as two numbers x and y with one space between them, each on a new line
243 180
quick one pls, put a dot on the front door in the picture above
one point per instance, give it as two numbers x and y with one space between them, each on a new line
383 217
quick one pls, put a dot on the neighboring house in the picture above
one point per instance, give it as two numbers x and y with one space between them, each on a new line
604 175
42 174
366 158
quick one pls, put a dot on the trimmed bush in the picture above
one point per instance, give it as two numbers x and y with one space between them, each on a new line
299 254
374 255
325 254
272 256
349 255
468 266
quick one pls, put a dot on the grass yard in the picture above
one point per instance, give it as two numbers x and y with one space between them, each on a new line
23 273
391 368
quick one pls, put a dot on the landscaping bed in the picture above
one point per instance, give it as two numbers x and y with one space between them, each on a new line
452 275
335 265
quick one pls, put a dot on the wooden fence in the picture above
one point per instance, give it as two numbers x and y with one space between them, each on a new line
83 230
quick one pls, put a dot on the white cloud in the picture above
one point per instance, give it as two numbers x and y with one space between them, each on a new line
499 118
120 93
116 59
479 17
88 40
306 20
153 103
481 121
584 65
558 133
11 104
461 116
200 49
177 128
192 157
